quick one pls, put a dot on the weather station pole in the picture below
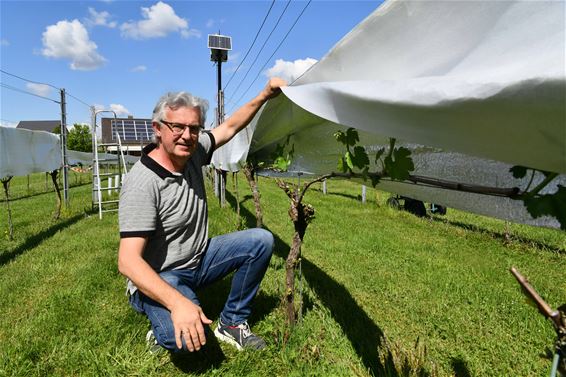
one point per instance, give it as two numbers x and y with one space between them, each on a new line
219 46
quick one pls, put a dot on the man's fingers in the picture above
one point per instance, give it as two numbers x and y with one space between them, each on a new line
178 335
195 339
204 319
189 341
201 335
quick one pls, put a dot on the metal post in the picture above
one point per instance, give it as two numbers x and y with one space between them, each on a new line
64 148
364 188
219 46
219 121
94 151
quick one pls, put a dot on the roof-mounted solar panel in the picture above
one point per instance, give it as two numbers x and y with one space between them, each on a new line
219 42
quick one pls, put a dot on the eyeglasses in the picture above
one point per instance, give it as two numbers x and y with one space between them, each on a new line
179 128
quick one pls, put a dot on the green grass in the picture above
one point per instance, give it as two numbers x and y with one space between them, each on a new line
383 293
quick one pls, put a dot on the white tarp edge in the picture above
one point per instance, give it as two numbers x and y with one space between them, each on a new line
24 152
470 78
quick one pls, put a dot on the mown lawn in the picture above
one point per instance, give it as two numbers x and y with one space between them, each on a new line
383 293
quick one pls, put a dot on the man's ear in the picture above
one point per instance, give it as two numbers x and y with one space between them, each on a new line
156 129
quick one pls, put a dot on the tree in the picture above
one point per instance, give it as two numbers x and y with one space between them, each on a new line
80 138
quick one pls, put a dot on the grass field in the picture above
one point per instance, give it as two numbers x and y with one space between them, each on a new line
383 293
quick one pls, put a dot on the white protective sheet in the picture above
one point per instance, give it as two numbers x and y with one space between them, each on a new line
464 78
23 152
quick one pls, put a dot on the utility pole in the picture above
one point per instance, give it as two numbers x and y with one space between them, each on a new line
219 46
64 148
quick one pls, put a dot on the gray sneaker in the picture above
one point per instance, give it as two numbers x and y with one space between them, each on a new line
239 336
152 344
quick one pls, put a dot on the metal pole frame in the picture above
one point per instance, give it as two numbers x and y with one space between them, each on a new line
64 148
95 152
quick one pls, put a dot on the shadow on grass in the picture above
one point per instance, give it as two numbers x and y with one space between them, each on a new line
38 238
50 190
341 194
460 367
209 357
362 332
501 236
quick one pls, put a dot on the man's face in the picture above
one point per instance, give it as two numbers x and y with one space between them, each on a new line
179 147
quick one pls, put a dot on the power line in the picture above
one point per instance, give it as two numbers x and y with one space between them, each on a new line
269 59
249 49
260 50
41 83
78 99
26 92
21 78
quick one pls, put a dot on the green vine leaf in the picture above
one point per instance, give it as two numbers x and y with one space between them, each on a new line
348 160
360 158
379 154
549 204
340 136
352 136
342 166
281 163
518 171
348 138
399 165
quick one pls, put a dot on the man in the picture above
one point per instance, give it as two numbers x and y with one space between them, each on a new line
164 248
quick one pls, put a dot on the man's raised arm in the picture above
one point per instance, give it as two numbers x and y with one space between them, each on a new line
242 117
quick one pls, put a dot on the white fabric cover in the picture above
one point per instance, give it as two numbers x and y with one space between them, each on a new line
232 155
23 152
464 78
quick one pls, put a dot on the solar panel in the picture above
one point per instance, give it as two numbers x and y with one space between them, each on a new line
139 130
219 42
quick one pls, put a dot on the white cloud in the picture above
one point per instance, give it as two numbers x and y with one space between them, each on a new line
39 89
191 33
139 68
100 19
159 20
98 107
119 109
7 123
211 22
290 71
234 56
4 42
70 40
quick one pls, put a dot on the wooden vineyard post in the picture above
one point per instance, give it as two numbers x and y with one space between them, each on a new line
250 176
58 192
6 184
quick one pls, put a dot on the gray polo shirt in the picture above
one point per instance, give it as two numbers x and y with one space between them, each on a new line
168 208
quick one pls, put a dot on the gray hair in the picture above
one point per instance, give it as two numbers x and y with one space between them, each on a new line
176 100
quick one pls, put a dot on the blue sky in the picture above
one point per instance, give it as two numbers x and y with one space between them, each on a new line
125 54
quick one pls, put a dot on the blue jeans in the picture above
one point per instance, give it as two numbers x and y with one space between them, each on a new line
248 252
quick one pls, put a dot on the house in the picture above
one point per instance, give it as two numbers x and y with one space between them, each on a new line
39 125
